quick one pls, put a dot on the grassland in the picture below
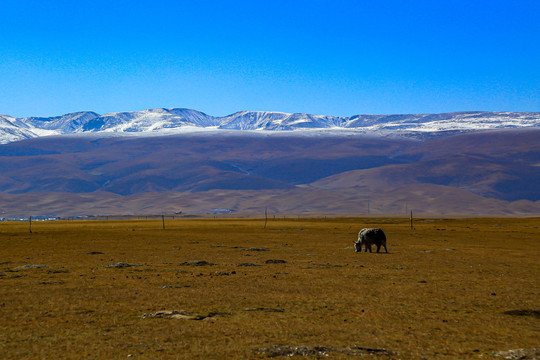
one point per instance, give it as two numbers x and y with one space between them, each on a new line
443 291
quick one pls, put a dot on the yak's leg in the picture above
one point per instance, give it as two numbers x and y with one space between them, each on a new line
385 248
378 247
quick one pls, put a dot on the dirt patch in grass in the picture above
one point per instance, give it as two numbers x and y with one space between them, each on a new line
31 266
275 261
197 263
519 354
265 309
179 315
256 249
287 350
122 265
531 313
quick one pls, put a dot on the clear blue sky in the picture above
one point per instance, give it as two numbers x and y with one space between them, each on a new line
320 57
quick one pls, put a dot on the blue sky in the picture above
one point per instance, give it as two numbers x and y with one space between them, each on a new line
320 57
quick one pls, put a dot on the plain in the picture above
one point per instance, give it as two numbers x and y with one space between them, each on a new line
448 289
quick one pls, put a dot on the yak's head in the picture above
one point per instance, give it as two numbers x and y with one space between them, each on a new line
358 246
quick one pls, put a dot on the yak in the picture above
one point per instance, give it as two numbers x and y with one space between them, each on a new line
368 237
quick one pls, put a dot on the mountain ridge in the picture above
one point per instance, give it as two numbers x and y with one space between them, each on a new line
177 120
493 172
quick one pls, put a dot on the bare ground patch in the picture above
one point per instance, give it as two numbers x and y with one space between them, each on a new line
320 350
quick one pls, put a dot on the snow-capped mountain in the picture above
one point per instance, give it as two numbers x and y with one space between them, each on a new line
177 120
151 120
10 132
457 121
265 120
65 124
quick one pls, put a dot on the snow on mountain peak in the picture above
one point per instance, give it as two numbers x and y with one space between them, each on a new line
167 120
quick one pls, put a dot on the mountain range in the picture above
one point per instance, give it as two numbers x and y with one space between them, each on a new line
175 120
491 172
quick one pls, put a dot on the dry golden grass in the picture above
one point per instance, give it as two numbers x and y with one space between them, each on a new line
424 299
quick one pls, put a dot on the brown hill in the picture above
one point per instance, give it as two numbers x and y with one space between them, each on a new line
501 164
493 172
183 163
422 199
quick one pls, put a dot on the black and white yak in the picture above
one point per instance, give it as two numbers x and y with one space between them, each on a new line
368 237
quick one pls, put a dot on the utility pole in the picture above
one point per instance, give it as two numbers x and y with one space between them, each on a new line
265 216
30 223
163 220
411 221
